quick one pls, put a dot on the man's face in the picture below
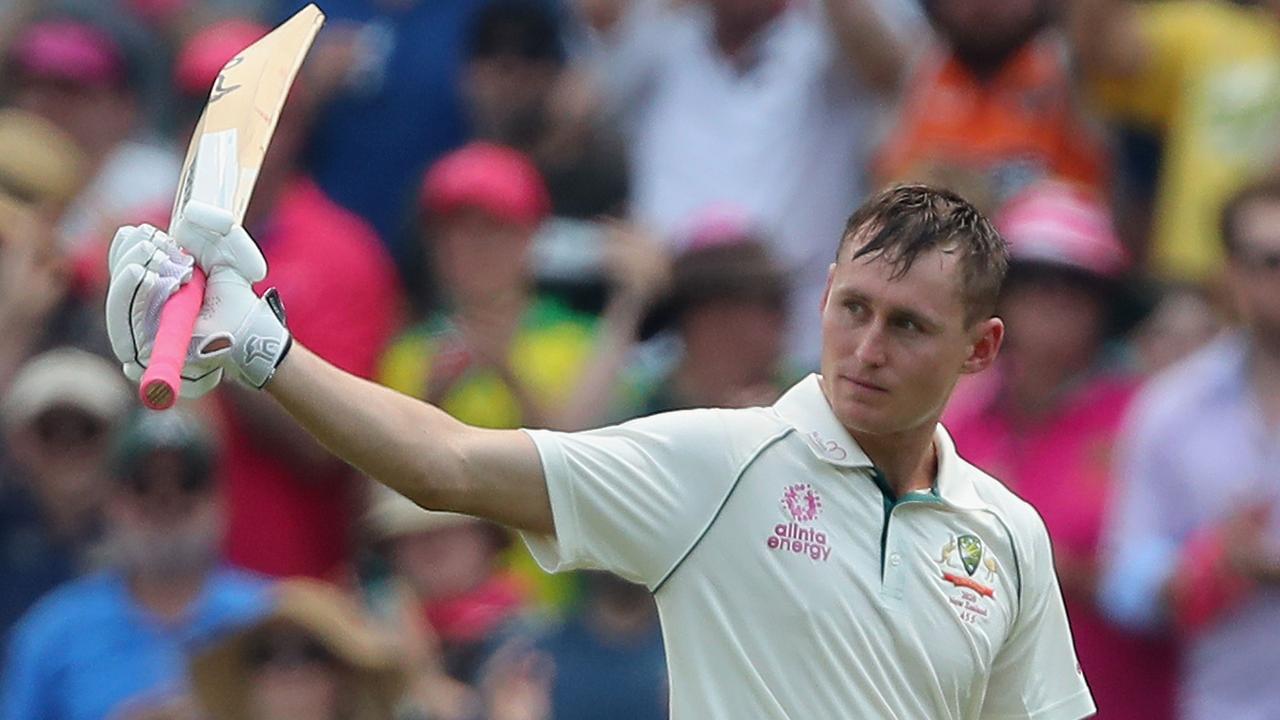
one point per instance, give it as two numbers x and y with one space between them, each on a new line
1254 270
507 95
1055 321
745 13
754 328
986 31
892 350
164 518
97 117
478 256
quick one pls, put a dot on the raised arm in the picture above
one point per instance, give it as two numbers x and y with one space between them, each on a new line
869 43
1105 37
414 448
408 445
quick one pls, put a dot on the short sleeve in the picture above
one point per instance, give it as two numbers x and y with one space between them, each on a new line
633 499
1036 675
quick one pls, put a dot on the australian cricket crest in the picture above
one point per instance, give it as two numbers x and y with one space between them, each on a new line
970 570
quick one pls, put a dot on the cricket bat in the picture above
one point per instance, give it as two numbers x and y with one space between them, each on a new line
221 167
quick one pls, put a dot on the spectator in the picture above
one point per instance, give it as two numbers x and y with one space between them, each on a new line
448 592
59 419
755 103
389 69
607 661
313 655
1202 74
519 93
114 643
1046 421
990 109
1194 531
727 293
1184 320
75 73
291 506
41 169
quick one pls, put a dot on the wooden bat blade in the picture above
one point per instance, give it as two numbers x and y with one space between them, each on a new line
241 115
221 167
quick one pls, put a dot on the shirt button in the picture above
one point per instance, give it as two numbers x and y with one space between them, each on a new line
895 559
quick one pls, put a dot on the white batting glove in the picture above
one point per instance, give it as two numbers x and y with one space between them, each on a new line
236 332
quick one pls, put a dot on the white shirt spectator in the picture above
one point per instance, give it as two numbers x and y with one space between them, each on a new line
783 132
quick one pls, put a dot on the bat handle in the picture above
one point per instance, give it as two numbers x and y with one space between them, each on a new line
163 377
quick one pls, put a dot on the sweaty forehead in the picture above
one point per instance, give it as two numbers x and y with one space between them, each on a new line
932 285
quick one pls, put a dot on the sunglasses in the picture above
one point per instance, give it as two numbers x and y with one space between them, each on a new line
1264 260
68 429
166 470
292 652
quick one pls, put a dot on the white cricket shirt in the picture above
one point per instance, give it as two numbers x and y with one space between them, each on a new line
790 585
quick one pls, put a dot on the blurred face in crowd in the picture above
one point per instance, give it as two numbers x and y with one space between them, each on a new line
983 33
893 349
292 675
62 451
506 95
1254 270
1055 320
753 328
1182 322
479 256
98 116
447 561
745 15
164 517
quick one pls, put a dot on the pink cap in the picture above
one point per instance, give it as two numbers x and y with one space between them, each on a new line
203 56
719 224
69 50
1060 224
493 178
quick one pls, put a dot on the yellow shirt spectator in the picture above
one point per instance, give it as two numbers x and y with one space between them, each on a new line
1209 82
547 356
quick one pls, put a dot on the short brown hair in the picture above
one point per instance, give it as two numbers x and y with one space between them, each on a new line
902 222
1264 189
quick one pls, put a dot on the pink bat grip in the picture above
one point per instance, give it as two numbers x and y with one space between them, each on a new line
163 377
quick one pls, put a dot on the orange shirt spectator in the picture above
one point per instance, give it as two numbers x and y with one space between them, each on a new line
988 137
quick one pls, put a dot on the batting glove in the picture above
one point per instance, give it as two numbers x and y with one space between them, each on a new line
236 333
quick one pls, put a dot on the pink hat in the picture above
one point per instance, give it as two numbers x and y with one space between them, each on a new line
493 178
718 224
69 50
203 56
1055 223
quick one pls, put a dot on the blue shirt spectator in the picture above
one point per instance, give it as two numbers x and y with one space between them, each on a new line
608 660
88 650
397 106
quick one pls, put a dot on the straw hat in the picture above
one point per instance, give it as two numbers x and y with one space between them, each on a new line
40 165
220 674
67 377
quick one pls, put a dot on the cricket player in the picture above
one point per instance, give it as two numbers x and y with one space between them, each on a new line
825 558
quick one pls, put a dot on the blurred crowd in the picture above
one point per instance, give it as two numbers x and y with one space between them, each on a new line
566 213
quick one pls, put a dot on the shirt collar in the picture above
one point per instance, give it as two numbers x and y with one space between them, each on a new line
806 409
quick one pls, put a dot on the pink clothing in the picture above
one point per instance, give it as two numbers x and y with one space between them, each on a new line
1061 465
342 300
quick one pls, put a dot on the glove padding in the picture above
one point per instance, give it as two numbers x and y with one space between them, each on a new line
236 332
